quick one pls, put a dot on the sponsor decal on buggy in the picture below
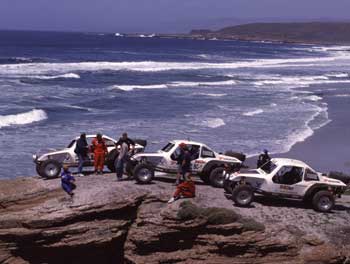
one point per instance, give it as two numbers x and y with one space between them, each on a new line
198 164
286 188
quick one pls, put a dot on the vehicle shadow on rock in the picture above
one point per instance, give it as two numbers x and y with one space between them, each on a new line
168 179
229 197
268 201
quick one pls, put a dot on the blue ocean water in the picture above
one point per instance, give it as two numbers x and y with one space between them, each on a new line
236 95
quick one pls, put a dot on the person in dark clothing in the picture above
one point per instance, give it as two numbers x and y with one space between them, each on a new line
128 141
263 159
81 149
179 161
67 181
186 164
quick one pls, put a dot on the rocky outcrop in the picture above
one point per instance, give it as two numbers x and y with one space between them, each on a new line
121 222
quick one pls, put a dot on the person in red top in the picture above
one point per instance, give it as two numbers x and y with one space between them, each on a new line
187 189
100 151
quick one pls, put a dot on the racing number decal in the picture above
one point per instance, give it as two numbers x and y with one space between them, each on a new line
198 165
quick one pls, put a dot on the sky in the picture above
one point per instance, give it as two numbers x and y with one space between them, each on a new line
161 16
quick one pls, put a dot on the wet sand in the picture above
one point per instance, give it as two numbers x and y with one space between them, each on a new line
328 149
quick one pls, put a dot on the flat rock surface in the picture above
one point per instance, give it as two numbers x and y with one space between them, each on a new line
110 219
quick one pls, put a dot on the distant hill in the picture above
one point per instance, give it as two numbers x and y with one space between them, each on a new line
312 32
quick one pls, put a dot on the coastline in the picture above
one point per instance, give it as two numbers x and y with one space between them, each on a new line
328 148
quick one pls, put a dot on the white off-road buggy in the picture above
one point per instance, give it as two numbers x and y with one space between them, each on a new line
206 163
284 178
49 164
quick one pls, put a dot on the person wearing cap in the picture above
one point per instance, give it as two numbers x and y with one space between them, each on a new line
67 181
263 159
100 151
81 149
187 189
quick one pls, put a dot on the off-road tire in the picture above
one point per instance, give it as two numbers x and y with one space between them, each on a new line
217 178
111 157
243 195
50 169
143 173
37 168
323 201
204 178
228 186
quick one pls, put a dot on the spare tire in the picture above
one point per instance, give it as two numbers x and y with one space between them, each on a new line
141 142
236 155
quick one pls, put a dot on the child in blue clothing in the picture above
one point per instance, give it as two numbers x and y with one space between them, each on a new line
67 181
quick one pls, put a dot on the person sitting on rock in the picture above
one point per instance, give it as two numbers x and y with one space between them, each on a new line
67 181
187 189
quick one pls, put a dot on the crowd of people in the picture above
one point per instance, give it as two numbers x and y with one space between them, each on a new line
185 186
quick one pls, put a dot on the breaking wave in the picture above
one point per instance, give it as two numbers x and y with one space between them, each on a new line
154 66
174 84
211 94
213 122
32 116
62 76
128 88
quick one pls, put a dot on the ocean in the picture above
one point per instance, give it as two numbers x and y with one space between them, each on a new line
231 95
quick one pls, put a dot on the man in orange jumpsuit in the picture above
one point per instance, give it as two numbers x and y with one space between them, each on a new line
100 151
187 189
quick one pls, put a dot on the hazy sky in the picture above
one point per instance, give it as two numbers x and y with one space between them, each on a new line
159 15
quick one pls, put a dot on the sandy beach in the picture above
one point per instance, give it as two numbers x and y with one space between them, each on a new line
328 148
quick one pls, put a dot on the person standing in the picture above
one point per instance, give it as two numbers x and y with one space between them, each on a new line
81 149
263 159
186 164
121 159
179 159
125 139
100 151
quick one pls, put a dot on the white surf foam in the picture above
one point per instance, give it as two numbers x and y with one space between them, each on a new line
213 122
254 112
194 84
62 76
338 75
211 94
313 98
298 81
32 116
140 87
154 66
342 95
175 84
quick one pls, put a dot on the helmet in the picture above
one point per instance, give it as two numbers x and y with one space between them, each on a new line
182 145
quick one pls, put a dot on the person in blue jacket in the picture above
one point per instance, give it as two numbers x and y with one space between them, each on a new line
67 181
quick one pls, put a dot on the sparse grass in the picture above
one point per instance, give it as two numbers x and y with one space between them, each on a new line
216 216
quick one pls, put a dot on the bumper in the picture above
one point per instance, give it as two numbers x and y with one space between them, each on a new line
35 159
